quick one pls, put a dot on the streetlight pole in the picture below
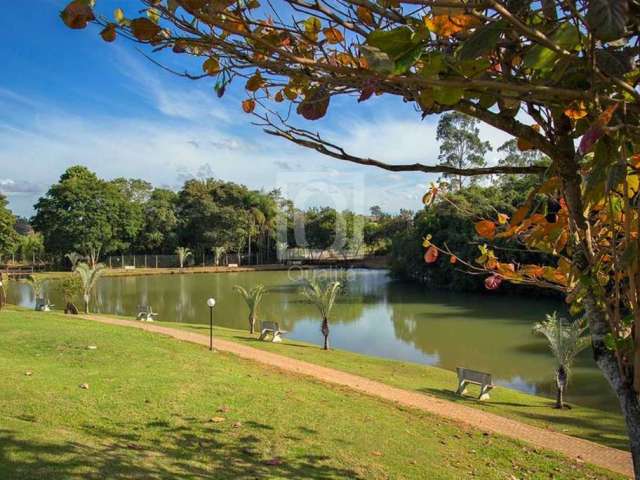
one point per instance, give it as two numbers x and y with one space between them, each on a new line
211 303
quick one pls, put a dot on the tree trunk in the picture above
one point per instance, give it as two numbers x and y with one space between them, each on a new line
252 324
325 331
561 382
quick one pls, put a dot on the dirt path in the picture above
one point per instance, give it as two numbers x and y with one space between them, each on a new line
576 448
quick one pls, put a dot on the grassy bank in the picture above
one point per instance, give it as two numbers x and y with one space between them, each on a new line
596 425
158 408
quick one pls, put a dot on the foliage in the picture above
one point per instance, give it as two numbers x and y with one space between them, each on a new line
252 297
183 254
8 235
460 145
30 246
89 277
452 223
565 338
86 214
37 285
323 296
159 232
71 288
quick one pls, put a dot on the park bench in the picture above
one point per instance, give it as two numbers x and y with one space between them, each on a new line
466 376
273 329
145 313
232 265
43 305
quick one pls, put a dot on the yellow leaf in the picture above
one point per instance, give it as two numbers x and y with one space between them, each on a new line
503 218
211 66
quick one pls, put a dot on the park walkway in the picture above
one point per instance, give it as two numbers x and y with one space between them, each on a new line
572 447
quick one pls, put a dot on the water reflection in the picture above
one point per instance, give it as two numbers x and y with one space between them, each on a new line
376 316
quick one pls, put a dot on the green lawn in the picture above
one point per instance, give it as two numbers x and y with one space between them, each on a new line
599 426
160 408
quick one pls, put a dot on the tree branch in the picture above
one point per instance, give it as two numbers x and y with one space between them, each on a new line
315 142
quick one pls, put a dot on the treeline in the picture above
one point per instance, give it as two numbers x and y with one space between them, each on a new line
95 217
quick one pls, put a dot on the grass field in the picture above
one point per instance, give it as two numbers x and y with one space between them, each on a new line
599 426
158 408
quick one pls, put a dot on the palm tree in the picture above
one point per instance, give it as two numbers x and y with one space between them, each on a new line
74 258
89 276
36 285
4 286
217 254
323 297
566 340
253 298
183 254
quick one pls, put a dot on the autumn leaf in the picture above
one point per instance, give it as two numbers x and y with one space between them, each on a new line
431 255
248 105
108 33
314 105
365 16
333 35
493 282
211 66
634 161
449 25
486 228
453 259
255 82
503 218
596 130
144 29
279 97
77 14
576 111
312 26
426 241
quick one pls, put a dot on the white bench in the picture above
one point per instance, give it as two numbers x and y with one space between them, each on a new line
145 313
273 329
466 376
232 265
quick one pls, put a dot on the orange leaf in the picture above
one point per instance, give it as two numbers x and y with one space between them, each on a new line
518 217
431 255
333 35
211 66
449 25
365 16
255 82
635 161
486 228
248 105
576 111
453 259
279 97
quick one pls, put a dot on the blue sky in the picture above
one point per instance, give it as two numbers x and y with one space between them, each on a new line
67 98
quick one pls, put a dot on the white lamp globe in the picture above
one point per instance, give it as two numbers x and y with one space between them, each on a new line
211 302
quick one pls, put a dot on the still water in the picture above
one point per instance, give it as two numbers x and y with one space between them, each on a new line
376 316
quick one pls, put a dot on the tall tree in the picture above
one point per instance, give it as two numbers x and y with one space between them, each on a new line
571 68
461 146
159 232
8 234
82 213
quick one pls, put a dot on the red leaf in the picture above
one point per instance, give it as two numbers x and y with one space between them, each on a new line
77 14
493 282
431 255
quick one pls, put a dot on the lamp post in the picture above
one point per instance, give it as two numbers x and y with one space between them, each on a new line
211 303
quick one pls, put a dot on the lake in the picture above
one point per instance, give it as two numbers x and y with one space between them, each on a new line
375 316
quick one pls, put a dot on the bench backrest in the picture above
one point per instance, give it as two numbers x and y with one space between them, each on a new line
474 376
270 326
144 309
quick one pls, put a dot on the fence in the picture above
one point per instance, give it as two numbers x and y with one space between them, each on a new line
173 261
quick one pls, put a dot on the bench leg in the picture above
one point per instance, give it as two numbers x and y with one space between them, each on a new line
462 387
276 338
484 392
263 334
